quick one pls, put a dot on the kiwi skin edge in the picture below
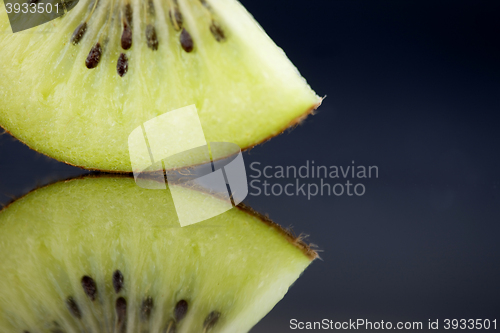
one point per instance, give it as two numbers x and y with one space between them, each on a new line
297 241
291 125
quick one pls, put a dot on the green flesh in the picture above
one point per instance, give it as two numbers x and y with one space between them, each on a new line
244 87
234 264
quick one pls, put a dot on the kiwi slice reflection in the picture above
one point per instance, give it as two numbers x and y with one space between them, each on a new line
101 254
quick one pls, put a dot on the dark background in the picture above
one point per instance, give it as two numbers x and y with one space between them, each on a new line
414 88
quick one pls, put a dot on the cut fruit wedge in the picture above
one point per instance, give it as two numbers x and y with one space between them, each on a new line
103 255
76 87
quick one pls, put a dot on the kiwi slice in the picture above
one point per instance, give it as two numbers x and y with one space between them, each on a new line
104 255
76 87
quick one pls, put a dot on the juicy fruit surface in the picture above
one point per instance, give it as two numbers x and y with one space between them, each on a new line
212 54
103 255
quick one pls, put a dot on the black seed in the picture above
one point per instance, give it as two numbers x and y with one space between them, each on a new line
89 287
78 33
186 41
94 56
121 309
176 18
180 310
126 36
122 65
128 14
73 307
117 281
217 31
121 314
211 320
151 37
146 308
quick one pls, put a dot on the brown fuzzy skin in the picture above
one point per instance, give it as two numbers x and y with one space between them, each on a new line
292 124
296 241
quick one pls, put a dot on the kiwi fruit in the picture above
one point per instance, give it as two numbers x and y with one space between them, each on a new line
76 87
100 254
